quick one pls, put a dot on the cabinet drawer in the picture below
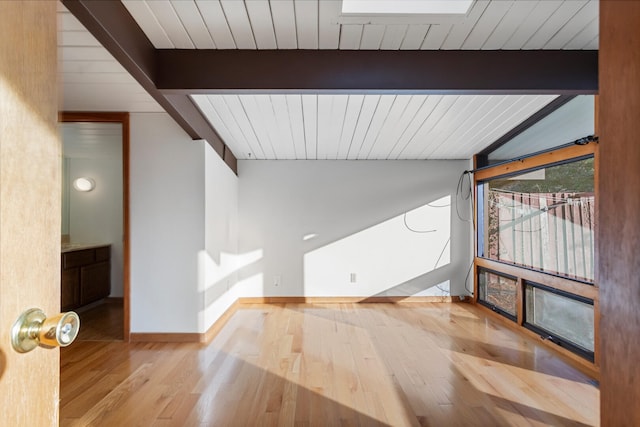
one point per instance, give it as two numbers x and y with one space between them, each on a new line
78 258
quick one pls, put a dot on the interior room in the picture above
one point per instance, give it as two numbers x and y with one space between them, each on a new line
92 227
322 212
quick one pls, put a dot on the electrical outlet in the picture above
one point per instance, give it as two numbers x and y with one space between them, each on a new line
276 280
352 277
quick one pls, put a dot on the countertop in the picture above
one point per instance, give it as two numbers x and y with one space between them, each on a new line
71 247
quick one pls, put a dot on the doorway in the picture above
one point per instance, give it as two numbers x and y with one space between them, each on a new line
106 315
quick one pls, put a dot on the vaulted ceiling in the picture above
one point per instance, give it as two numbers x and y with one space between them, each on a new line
297 79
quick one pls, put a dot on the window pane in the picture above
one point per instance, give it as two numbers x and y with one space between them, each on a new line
542 219
497 290
572 121
561 316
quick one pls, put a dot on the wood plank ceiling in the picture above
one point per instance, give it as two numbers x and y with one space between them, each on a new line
318 24
364 127
333 126
89 76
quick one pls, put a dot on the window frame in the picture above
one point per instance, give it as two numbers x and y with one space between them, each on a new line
565 285
555 338
494 307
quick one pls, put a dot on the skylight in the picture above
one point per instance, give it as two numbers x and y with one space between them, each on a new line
406 7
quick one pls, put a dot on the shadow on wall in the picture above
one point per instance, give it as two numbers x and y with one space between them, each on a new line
215 278
404 256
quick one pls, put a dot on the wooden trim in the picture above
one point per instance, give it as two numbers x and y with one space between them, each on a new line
123 118
596 332
348 300
475 281
188 71
126 224
544 159
219 323
195 337
476 160
596 258
164 337
93 116
520 301
578 362
560 283
113 300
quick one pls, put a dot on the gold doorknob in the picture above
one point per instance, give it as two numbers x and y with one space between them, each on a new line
33 329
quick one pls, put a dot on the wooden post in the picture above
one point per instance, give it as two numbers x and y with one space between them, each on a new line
619 212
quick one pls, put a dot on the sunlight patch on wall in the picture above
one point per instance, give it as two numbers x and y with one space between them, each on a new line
383 256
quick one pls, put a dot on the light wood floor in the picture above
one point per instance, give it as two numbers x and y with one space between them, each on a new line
102 322
330 365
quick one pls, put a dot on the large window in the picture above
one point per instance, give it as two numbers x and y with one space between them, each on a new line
542 219
536 245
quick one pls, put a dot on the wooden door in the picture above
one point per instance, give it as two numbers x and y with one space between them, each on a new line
30 159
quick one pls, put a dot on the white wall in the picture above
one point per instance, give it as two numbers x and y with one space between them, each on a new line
356 211
218 261
202 237
167 224
183 229
96 216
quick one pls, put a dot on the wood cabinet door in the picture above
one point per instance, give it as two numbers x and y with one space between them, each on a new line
70 289
95 282
30 204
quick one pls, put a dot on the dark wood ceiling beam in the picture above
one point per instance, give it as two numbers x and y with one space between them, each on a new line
113 26
364 71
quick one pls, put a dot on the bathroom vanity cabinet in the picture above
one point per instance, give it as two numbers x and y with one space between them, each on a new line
86 275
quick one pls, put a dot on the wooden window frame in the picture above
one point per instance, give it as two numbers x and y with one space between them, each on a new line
523 274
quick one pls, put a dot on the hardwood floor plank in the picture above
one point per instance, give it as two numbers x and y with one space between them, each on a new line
427 364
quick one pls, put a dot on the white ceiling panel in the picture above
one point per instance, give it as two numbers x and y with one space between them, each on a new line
328 27
191 18
394 36
149 23
554 24
313 24
91 140
358 127
90 78
284 23
164 12
307 23
487 24
436 36
262 24
215 20
351 36
509 24
414 37
372 36
238 20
